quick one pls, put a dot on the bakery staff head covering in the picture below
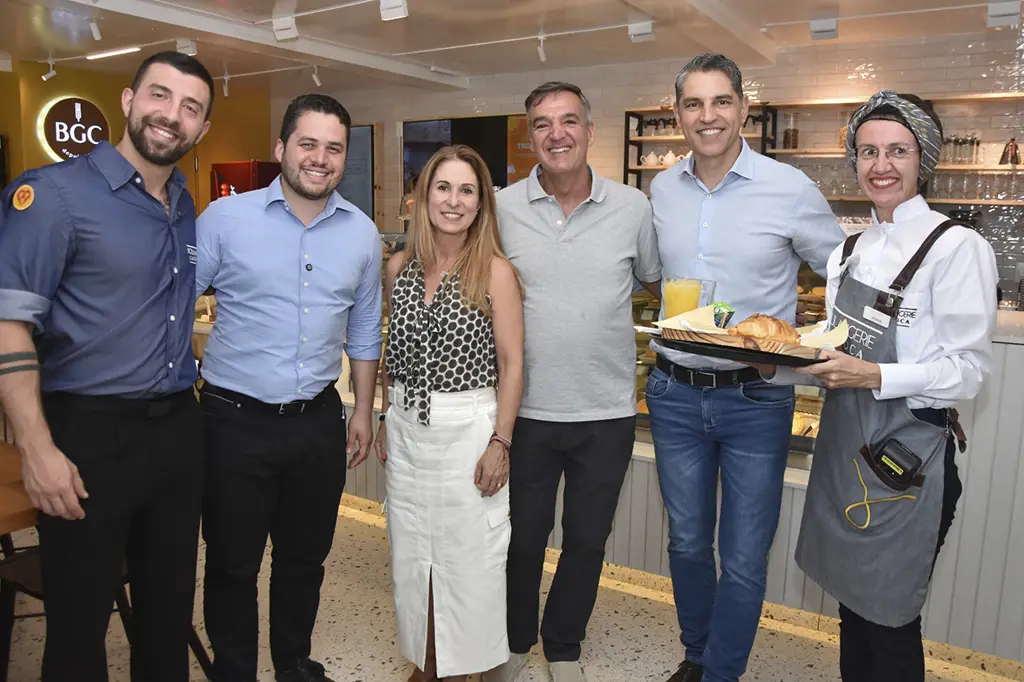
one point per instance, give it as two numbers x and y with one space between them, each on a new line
887 105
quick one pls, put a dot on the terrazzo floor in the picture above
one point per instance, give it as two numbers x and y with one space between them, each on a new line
631 635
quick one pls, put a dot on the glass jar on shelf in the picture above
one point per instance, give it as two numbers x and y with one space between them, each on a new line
1000 186
984 186
791 136
949 181
965 186
944 154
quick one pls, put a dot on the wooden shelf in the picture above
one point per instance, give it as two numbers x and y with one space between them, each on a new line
634 169
680 138
658 138
976 202
932 200
822 151
857 101
975 167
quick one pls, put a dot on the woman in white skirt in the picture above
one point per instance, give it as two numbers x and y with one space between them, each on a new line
453 379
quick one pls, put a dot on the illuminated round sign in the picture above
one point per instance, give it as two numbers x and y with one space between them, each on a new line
71 126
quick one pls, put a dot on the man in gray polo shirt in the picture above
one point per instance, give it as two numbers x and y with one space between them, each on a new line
577 240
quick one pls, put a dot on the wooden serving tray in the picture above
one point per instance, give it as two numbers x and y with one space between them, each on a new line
800 354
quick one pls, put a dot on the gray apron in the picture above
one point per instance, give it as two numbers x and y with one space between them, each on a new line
870 545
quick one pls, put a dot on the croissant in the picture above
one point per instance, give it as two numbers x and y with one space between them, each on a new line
766 328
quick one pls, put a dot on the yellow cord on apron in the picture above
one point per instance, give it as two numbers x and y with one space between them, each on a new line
867 503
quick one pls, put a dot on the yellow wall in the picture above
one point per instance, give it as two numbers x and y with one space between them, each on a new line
239 127
10 123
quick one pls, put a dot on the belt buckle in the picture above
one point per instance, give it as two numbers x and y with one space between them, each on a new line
696 373
281 410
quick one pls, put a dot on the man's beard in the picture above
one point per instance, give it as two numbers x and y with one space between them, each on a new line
293 177
147 150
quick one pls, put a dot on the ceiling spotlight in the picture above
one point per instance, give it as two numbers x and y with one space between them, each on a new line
95 28
49 74
824 29
1003 14
540 49
316 77
186 46
641 31
393 9
226 79
285 29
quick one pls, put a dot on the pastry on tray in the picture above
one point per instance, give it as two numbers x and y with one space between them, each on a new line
766 328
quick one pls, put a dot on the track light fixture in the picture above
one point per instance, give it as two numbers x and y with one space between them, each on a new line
51 73
540 49
316 77
393 9
95 28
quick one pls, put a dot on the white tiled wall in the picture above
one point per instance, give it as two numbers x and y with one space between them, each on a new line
992 61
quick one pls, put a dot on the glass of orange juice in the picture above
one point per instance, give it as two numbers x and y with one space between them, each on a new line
681 295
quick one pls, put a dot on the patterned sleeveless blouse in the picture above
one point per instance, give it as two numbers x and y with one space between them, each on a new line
443 347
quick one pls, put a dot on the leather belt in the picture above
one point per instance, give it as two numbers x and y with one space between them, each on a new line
707 379
243 401
160 406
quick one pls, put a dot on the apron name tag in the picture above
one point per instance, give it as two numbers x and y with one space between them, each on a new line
877 317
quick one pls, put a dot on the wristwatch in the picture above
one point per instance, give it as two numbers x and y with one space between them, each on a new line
383 414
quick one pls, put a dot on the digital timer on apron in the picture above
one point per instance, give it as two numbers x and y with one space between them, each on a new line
874 501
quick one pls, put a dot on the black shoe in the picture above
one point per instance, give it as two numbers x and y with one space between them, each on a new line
688 672
305 670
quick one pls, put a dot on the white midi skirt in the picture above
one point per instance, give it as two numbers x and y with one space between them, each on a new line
442 532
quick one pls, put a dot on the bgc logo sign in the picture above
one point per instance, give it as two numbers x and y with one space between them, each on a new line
71 127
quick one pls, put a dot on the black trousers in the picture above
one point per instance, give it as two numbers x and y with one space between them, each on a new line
869 652
142 466
594 457
276 475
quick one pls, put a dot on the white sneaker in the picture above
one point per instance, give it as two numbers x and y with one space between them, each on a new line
507 671
567 671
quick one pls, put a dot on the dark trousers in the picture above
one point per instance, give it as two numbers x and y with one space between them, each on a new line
276 475
594 457
869 652
142 466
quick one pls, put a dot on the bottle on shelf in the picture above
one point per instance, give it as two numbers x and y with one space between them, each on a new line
791 136
1011 154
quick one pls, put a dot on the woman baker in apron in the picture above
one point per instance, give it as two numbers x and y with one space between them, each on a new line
918 292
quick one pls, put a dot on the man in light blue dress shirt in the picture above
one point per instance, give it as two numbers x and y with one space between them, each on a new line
297 274
746 222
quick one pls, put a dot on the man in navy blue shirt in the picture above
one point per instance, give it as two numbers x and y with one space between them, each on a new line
297 274
97 289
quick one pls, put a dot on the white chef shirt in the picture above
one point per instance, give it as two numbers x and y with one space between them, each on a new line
947 319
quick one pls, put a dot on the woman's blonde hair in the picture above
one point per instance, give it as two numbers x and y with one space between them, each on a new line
483 242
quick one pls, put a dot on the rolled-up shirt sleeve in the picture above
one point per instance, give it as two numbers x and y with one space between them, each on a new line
365 337
35 244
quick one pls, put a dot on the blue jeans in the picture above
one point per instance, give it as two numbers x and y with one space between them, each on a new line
742 432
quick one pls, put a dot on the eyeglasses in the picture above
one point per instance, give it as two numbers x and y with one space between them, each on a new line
895 152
